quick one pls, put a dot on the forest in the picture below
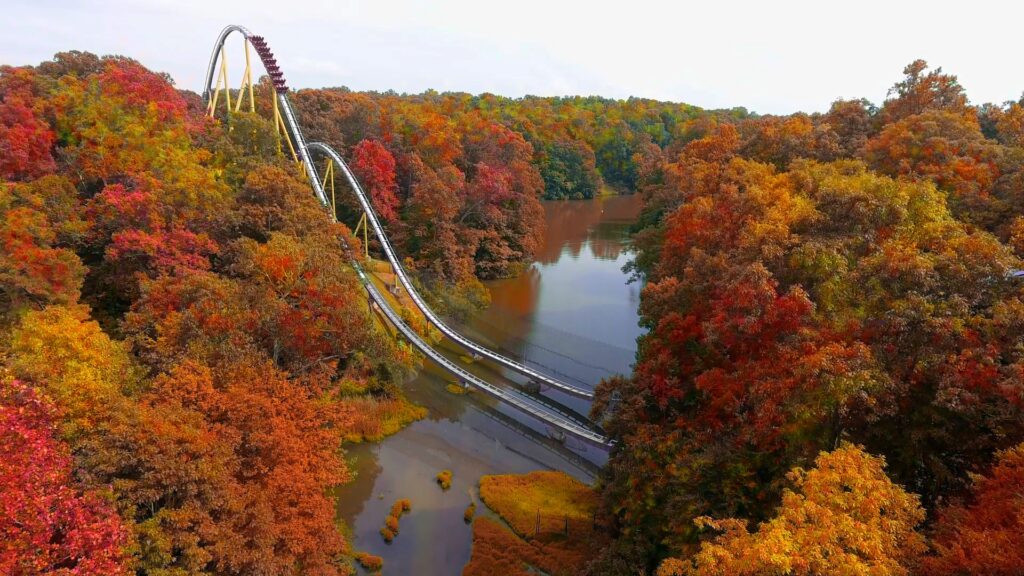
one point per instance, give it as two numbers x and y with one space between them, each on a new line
442 167
831 381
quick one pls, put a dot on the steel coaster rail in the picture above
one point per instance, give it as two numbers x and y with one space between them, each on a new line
392 257
303 151
281 94
523 403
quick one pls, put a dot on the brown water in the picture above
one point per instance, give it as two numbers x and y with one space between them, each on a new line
571 312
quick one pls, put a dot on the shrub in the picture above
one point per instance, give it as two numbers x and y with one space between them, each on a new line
561 545
390 529
370 562
497 550
372 419
444 479
456 389
401 507
469 513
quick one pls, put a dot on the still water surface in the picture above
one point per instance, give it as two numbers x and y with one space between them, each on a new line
571 313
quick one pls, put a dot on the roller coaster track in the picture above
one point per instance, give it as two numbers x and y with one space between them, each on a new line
303 151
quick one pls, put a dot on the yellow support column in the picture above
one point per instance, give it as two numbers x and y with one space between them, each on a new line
284 129
246 80
277 121
328 182
224 71
248 77
366 238
212 108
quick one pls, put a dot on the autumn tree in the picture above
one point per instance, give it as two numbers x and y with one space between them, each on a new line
271 199
432 225
844 516
922 91
851 122
64 352
338 116
569 171
127 125
26 139
780 140
374 166
38 224
985 534
48 525
947 148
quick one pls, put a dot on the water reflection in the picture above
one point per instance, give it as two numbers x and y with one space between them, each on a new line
602 223
572 313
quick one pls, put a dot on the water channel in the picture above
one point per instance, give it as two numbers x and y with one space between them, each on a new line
571 313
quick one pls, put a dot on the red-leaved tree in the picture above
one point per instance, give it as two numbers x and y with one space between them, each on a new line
375 168
46 525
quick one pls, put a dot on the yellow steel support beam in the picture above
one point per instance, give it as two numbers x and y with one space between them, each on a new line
216 93
328 182
224 74
366 238
222 84
248 78
283 130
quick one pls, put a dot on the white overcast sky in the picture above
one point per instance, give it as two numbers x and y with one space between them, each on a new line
772 56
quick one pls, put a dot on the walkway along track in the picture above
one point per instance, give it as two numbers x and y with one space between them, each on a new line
303 152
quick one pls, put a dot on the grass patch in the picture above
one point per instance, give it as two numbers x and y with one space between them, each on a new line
369 561
444 479
372 419
497 550
558 541
556 496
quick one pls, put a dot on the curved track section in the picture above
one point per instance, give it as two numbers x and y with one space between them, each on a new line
516 400
524 403
392 257
281 93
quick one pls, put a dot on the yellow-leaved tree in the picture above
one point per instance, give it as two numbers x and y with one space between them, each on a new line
844 516
66 353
